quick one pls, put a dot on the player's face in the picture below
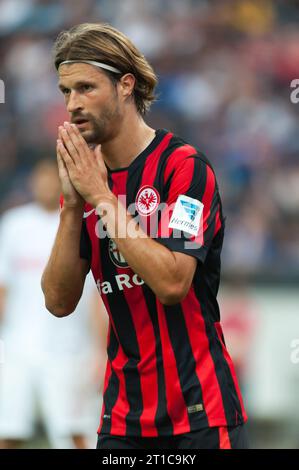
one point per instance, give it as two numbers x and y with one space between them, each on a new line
92 101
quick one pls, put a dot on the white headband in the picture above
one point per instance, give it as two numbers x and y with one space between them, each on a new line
92 62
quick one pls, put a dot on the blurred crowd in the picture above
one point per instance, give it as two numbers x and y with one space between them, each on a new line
225 69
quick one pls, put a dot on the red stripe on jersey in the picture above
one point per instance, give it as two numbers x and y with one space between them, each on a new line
145 336
205 367
176 157
231 368
176 405
121 407
224 441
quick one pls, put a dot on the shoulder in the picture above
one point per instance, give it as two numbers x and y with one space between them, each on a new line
182 154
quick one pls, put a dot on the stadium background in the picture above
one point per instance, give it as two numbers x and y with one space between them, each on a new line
225 69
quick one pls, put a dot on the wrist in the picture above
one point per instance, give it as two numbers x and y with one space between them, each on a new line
107 209
105 200
72 210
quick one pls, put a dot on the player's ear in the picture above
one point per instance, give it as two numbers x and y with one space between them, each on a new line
127 84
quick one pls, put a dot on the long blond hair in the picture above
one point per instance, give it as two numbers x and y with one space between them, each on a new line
103 43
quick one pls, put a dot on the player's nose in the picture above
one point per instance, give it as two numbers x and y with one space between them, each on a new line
73 102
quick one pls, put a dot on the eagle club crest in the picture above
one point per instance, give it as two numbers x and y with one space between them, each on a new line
147 200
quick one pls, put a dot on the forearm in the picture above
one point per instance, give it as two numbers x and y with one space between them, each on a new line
153 262
64 276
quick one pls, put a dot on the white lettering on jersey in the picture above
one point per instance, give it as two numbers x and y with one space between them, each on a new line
122 280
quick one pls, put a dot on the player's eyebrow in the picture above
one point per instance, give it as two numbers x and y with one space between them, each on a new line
77 84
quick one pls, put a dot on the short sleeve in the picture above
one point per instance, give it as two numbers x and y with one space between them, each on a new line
192 214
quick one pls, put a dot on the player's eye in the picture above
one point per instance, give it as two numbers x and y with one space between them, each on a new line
65 91
85 88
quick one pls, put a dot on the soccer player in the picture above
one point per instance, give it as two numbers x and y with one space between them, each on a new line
44 375
142 210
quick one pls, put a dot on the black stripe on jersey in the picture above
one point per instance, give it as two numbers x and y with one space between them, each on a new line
186 365
110 180
128 339
162 420
211 222
113 345
230 398
85 243
110 398
112 390
200 171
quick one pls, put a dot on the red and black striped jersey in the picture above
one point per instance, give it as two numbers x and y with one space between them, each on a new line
168 370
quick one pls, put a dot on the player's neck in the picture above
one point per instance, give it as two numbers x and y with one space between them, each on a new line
134 136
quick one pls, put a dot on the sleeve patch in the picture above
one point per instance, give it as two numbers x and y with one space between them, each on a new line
187 215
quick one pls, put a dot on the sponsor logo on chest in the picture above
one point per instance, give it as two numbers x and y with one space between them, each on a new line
119 283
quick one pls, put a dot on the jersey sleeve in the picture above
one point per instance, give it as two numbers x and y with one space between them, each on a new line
192 215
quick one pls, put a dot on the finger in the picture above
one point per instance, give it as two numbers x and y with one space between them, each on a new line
77 140
69 145
60 161
61 165
76 130
80 141
68 161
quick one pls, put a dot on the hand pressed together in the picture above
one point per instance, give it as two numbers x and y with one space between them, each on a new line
84 166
